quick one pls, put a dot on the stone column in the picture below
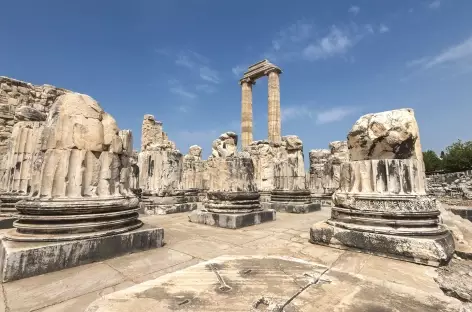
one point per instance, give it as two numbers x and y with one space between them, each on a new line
233 201
246 112
274 123
380 205
78 207
290 192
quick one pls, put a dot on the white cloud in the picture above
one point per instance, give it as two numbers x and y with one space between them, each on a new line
383 28
354 10
179 90
209 74
294 112
435 4
369 28
184 60
183 109
334 43
238 70
333 114
295 33
206 88
460 54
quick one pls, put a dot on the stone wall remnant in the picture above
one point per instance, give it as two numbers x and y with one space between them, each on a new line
161 172
81 196
290 193
232 197
381 206
325 169
22 101
16 178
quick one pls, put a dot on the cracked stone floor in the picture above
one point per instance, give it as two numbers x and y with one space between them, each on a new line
188 244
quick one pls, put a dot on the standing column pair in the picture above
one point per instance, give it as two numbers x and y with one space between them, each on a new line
274 122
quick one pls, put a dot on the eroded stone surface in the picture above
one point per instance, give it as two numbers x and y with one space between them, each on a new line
455 279
22 101
386 135
267 283
381 204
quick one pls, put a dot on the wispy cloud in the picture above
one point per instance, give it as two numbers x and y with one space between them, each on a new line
354 10
334 43
206 88
179 90
333 114
183 109
208 74
369 28
238 70
199 67
303 41
298 112
435 5
383 28
295 112
459 54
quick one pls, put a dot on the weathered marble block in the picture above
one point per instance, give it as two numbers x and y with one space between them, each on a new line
290 192
233 200
77 194
381 205
162 173
16 181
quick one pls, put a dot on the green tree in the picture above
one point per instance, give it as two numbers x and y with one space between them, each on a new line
458 156
431 161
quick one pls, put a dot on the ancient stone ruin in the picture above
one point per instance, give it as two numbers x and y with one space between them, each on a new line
254 72
290 192
17 168
325 168
232 197
78 206
381 206
161 173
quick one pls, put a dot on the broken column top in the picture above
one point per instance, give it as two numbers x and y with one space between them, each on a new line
195 151
225 146
153 136
386 135
292 143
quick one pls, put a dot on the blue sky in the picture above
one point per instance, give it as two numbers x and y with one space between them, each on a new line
181 61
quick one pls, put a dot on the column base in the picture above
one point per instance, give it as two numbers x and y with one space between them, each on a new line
293 202
161 205
231 220
322 199
25 259
433 250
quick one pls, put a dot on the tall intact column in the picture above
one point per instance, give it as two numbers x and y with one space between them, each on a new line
246 112
274 123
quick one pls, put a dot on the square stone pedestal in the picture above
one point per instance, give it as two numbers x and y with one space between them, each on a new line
24 259
295 207
431 250
161 205
232 220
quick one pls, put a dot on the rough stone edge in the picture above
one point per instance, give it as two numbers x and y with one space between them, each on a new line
21 260
232 221
294 207
149 209
322 233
